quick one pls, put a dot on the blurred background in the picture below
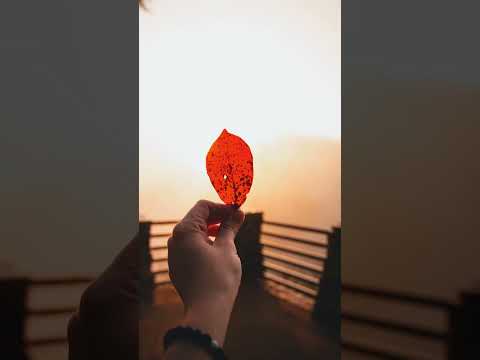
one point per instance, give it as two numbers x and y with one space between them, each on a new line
69 160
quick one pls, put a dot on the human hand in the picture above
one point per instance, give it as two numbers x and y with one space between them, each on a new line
206 274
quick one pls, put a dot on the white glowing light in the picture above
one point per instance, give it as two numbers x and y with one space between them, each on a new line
264 70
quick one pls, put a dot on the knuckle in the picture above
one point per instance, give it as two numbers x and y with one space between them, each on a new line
202 202
185 229
237 272
179 230
229 227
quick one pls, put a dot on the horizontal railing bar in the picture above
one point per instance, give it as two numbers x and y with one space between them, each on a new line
159 259
299 240
166 222
162 282
432 334
290 284
297 227
398 296
160 235
164 247
160 276
160 262
51 311
161 270
266 222
292 261
60 281
285 247
382 354
297 274
158 272
46 341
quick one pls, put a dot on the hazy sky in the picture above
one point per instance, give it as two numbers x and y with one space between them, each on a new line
268 71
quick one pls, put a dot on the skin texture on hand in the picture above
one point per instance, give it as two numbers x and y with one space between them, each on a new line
206 274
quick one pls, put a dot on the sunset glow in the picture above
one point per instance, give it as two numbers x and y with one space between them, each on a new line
264 72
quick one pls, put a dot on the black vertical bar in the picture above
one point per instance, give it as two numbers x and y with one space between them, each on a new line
454 333
465 328
13 294
327 306
249 248
146 276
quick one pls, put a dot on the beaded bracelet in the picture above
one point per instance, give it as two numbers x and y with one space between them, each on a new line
196 337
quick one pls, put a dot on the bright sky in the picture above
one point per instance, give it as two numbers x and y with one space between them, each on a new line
267 70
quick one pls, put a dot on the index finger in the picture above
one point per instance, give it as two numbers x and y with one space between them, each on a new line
204 213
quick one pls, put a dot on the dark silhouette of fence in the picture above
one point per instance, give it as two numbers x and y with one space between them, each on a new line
461 337
14 312
299 263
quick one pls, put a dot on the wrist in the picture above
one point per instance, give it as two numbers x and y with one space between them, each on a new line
190 336
210 316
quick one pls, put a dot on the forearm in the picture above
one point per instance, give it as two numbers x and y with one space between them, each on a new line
207 277
210 317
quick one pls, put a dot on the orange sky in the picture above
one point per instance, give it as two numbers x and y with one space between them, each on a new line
267 71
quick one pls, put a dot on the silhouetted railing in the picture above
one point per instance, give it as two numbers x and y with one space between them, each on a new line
15 312
311 267
294 261
52 311
288 262
292 257
306 264
158 251
392 326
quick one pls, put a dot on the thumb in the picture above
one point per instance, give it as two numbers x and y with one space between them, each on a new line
229 229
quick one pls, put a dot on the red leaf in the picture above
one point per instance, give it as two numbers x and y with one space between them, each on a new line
230 168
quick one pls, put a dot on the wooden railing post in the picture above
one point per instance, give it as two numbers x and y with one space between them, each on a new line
465 328
249 248
12 317
146 277
327 306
